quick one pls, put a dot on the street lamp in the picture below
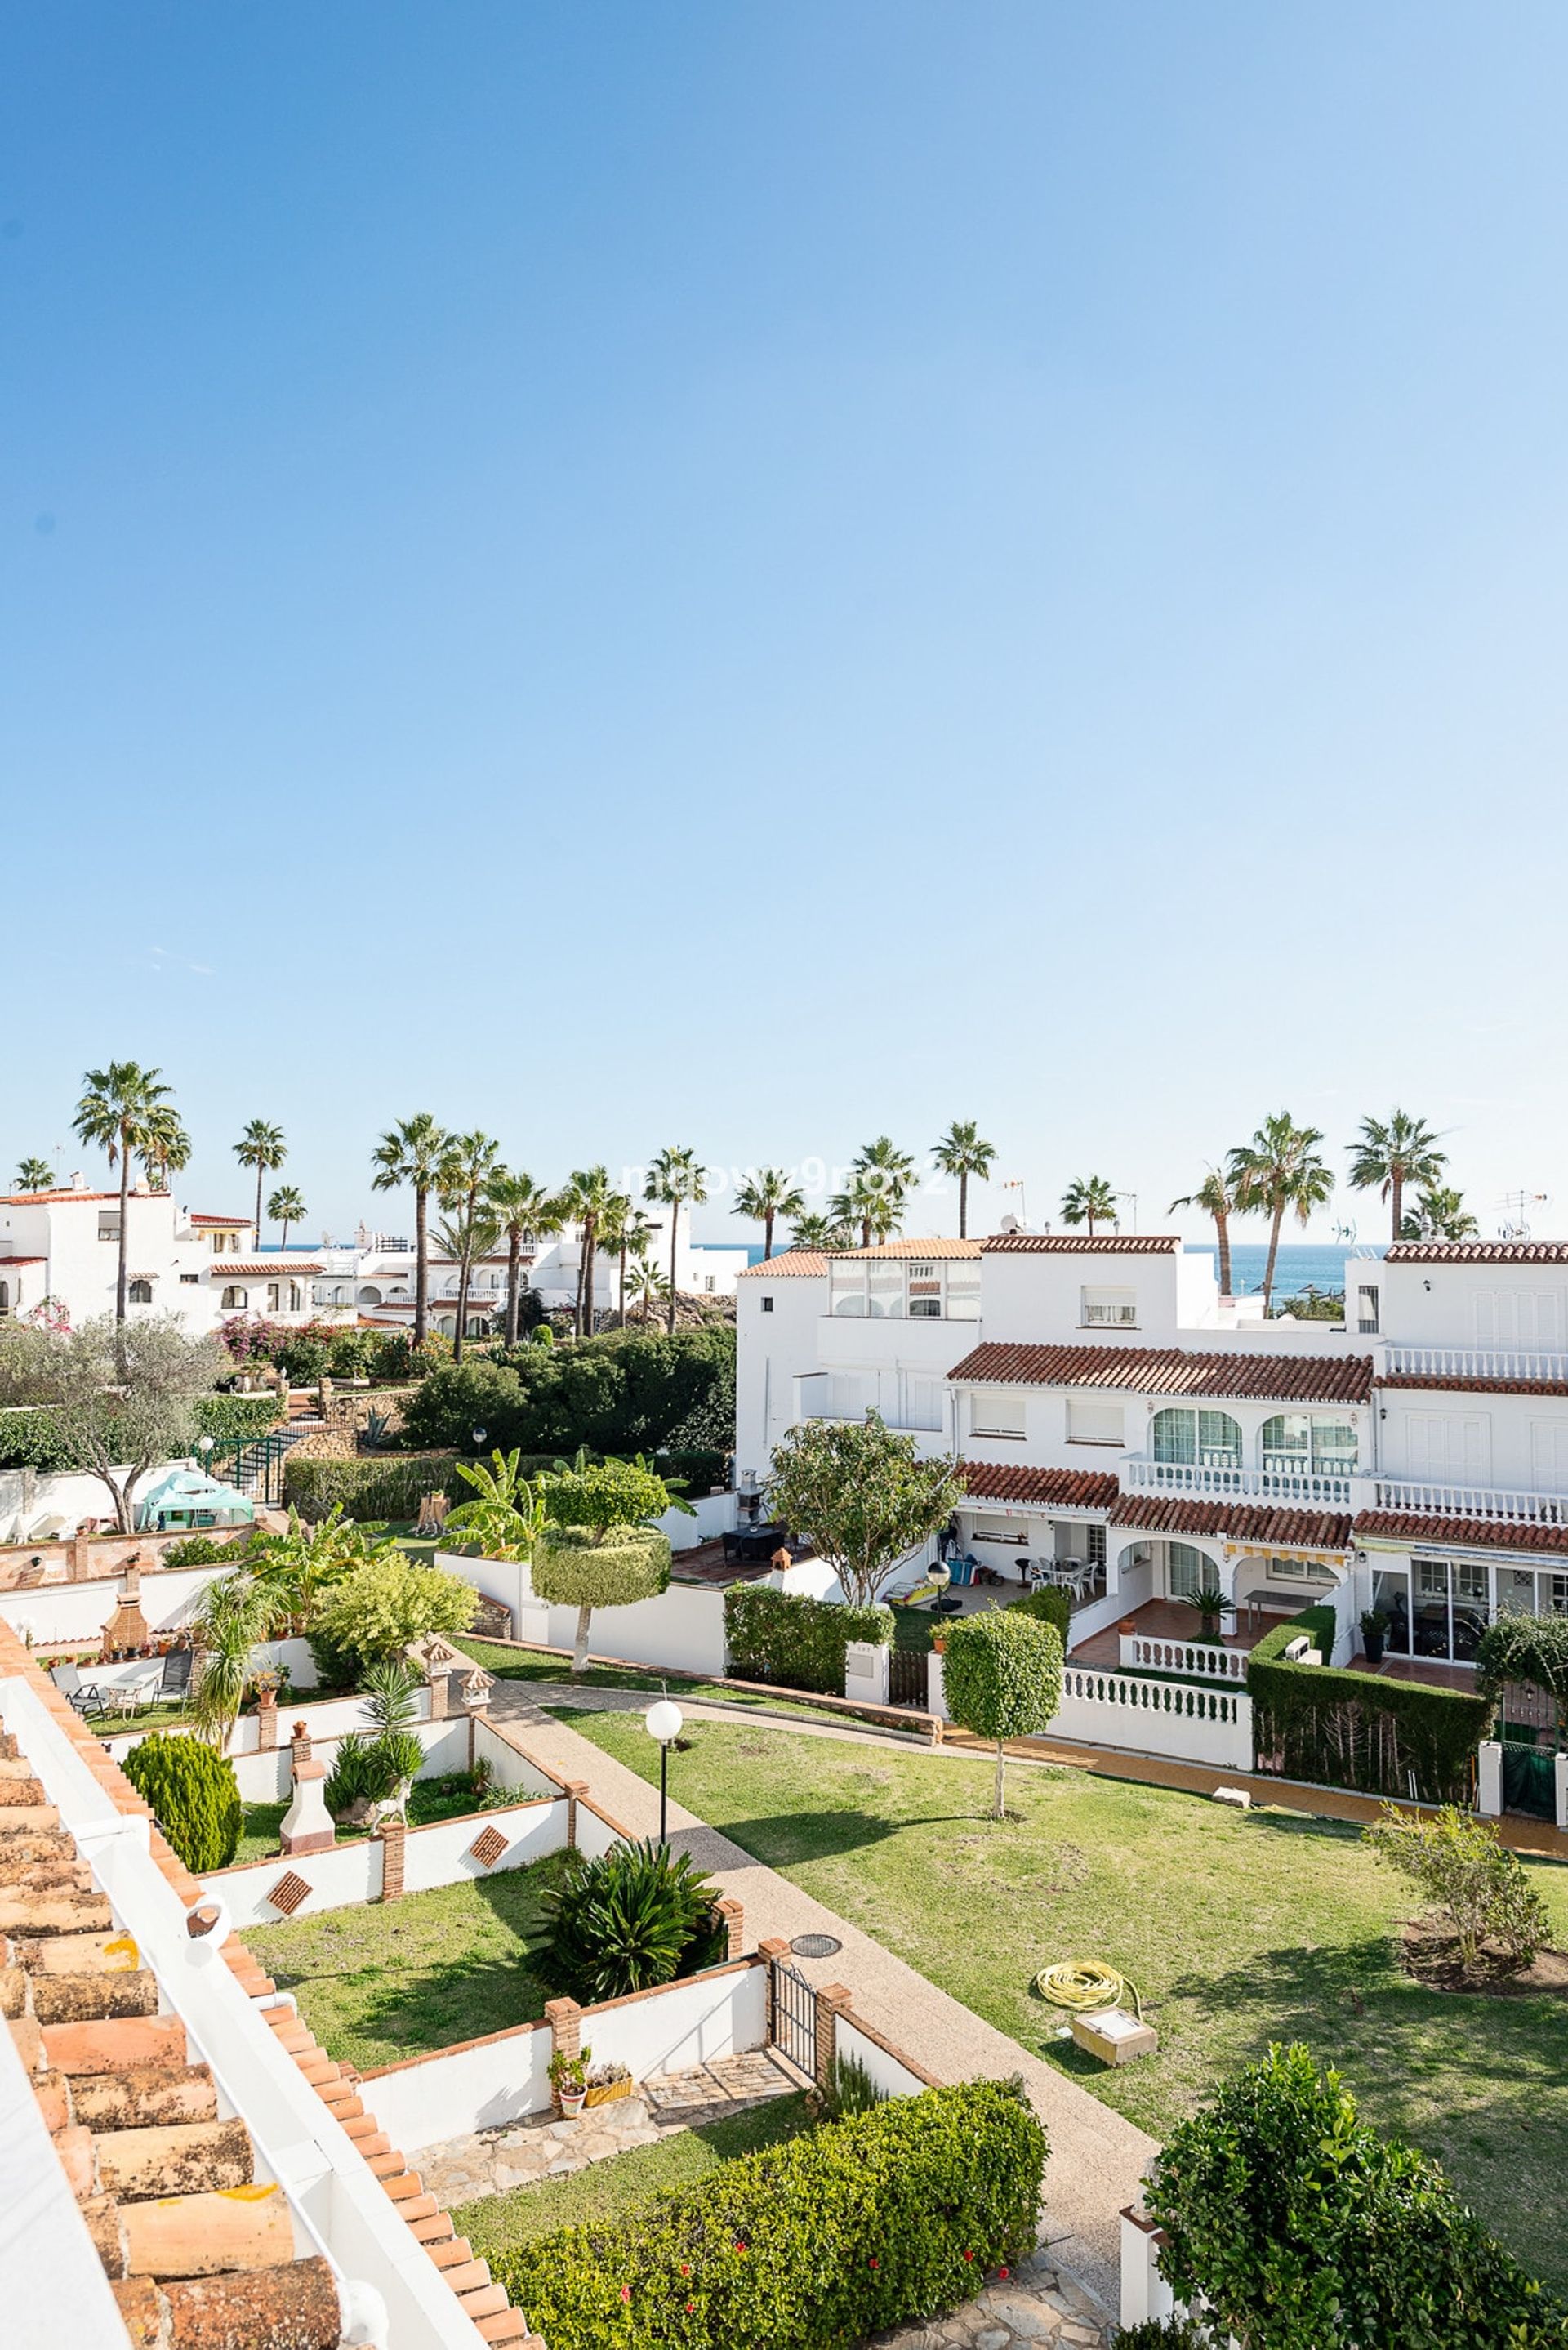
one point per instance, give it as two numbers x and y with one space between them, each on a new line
205 1448
479 1436
939 1578
662 1720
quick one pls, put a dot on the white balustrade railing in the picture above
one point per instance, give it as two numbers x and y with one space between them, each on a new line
1475 1363
1146 1652
1178 1719
1483 1504
1320 1489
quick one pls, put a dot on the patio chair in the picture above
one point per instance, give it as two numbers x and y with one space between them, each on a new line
85 1697
174 1686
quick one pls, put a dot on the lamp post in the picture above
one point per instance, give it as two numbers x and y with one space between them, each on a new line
479 1436
662 1720
204 1447
939 1578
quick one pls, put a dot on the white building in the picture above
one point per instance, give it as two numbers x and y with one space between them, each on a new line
1112 1411
377 1277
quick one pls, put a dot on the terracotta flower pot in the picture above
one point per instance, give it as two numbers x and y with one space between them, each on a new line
1126 1625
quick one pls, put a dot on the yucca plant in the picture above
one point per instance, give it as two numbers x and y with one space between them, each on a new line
637 1916
234 1614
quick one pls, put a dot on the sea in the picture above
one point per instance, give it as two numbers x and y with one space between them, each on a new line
1299 1266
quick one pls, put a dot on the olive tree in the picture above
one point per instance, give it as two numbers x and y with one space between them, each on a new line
1002 1679
121 1395
599 1547
862 1497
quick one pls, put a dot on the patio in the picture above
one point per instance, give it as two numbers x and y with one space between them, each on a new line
1172 1619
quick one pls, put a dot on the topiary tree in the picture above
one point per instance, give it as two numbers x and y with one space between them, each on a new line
380 1607
598 1548
862 1497
195 1796
1003 1678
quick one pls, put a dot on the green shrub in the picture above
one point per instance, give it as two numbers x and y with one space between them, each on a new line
1301 2228
1342 1729
380 1606
867 2223
391 1357
236 1419
697 1472
798 1643
635 1917
349 1354
1052 1604
1164 2333
1462 1864
613 1493
1533 1650
628 1392
370 1770
390 1485
1002 1678
201 1550
194 1797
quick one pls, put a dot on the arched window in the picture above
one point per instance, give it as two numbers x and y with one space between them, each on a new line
1211 1440
141 1293
1311 1442
234 1301
368 1296
4 1297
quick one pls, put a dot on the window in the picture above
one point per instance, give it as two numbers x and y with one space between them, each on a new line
109 1223
1449 1609
1095 1423
1519 1318
922 1403
234 1301
1449 1447
1366 1313
1305 1442
293 1296
1549 1456
274 1296
1096 1552
996 1411
963 1292
1186 1570
925 1294
189 1280
139 1292
1210 1438
4 1297
1109 1309
767 1306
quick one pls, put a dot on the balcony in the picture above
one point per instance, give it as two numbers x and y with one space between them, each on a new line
1317 1489
1474 1363
1486 1505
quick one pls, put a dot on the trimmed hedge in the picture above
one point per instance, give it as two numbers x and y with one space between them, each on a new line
236 1419
1341 1729
1053 1604
30 1436
862 2223
389 1485
798 1643
195 1796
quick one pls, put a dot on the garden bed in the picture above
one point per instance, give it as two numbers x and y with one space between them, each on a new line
429 1800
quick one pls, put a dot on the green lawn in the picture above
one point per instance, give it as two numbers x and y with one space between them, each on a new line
391 1980
607 2192
532 1665
1237 1929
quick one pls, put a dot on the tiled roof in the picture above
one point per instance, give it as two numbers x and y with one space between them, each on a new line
1075 1244
1062 1489
1157 1514
1472 1385
1476 1253
1460 1534
224 1223
5 1261
226 1266
66 1191
787 1264
932 1246
1169 1370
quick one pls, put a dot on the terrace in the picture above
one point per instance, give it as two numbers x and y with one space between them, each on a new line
1163 1640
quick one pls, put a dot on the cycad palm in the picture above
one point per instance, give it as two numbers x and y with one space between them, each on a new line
962 1153
412 1154
767 1193
1213 1195
647 1284
674 1178
1279 1169
816 1231
117 1111
286 1207
261 1146
1393 1152
1440 1215
522 1207
1089 1201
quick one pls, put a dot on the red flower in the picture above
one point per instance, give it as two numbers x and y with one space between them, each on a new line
968 2256
691 2304
873 2261
625 2292
685 2268
739 2246
1004 2272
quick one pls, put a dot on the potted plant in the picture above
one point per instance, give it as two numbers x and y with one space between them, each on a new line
607 2082
1210 1604
1374 1633
569 2080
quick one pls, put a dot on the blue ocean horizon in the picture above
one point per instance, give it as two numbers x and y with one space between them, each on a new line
1299 1265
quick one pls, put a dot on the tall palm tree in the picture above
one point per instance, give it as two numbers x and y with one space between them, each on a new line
635 1235
1215 1198
961 1153
586 1196
286 1207
1439 1216
1392 1152
766 1194
621 1221
815 1232
412 1154
168 1146
470 1161
465 1235
1279 1169
1089 1201
114 1112
261 1146
675 1178
34 1175
521 1207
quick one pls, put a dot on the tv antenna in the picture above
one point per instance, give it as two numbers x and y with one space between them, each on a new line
1516 1207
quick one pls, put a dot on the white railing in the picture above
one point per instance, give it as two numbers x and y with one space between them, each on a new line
1475 1363
1485 1504
1144 1652
1323 1489
1176 1719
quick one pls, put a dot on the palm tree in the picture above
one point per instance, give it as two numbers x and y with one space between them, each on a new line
1439 1216
635 1234
286 1207
262 1146
621 1223
869 1201
234 1613
1213 1195
521 1207
827 1233
1279 1169
470 1161
168 1148
586 1197
648 1286
34 1175
508 1516
1089 1201
412 1154
766 1194
115 1112
1392 1153
961 1153
675 1177
466 1235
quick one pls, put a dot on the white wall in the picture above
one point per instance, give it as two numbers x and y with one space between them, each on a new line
1173 1718
71 1614
683 1629
350 1874
893 2078
595 1835
267 1777
721 2013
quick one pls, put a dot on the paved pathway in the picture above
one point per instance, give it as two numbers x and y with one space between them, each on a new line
1097 2156
1040 2303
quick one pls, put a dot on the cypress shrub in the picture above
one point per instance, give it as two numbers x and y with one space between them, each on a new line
1342 1729
866 2223
796 1642
194 1797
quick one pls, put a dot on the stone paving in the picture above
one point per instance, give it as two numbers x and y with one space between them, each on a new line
1039 2302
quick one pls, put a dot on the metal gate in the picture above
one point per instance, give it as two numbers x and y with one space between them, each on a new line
794 2018
907 1677
1529 1779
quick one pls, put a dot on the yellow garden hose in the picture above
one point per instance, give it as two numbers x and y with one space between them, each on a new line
1084 1984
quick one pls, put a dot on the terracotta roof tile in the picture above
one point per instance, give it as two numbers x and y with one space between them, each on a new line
65 1192
788 1264
1460 1534
1474 1386
1076 1244
1062 1489
1150 1370
1159 1513
224 1268
932 1246
225 1223
1477 1253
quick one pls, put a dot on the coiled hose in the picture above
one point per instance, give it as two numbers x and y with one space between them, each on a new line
1084 1984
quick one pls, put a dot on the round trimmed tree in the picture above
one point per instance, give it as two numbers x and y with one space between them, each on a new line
599 1547
194 1795
1003 1678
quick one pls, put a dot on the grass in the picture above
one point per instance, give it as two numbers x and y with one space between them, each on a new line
606 2193
534 1665
391 1980
426 1803
1237 1929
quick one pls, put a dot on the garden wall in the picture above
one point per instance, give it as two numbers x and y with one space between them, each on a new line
681 1630
894 2074
1174 1719
350 1874
73 1615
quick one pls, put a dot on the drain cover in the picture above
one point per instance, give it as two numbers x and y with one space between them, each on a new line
816 1946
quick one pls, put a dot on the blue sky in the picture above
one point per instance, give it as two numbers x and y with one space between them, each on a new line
752 576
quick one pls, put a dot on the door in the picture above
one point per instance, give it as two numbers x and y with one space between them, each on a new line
1449 1447
1184 1570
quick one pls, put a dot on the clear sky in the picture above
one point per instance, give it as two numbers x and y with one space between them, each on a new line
752 576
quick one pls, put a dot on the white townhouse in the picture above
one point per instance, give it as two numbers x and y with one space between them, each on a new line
1127 1429
377 1278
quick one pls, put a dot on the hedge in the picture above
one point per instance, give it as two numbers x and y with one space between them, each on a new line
1053 1604
367 1490
236 1419
798 1643
632 1393
867 2223
195 1796
30 1436
1341 1729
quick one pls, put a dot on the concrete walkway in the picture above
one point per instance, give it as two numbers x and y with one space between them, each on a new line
1097 2156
